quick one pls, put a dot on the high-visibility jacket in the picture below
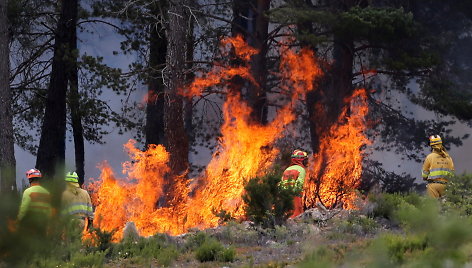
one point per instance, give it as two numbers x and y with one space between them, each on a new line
437 168
76 202
293 178
36 200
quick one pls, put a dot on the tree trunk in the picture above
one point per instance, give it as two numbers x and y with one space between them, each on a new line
188 102
177 141
325 104
257 94
250 21
51 151
7 153
76 111
157 58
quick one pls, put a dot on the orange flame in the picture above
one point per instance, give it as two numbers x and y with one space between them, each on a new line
221 73
245 150
336 170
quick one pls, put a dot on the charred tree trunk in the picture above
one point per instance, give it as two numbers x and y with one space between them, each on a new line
75 110
257 94
157 59
51 151
250 21
7 153
188 102
177 141
326 104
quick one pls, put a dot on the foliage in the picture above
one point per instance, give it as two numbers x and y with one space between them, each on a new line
357 224
266 203
212 250
458 195
209 249
144 250
387 204
430 237
234 233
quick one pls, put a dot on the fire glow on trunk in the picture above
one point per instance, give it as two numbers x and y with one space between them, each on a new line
245 150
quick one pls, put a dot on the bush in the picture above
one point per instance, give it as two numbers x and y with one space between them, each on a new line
212 250
357 224
387 204
267 204
143 250
459 195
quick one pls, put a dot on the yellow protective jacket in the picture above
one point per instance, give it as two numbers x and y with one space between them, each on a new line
76 201
437 168
36 200
293 178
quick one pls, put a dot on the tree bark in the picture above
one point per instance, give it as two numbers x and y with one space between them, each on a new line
51 151
177 141
157 58
325 104
76 111
7 153
250 21
188 102
257 94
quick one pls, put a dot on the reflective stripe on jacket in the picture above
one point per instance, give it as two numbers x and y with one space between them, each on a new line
437 168
293 177
76 201
36 199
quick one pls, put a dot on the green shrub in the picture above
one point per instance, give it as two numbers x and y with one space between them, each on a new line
196 240
357 224
209 249
458 194
267 204
227 255
234 233
320 258
387 204
143 250
94 259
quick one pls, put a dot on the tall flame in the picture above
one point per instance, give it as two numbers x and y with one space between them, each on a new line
336 170
245 150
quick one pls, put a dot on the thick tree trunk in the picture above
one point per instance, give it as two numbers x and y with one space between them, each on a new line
250 21
326 104
7 153
76 114
51 151
257 94
188 102
177 141
157 58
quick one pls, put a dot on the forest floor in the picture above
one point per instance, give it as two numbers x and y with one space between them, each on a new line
282 246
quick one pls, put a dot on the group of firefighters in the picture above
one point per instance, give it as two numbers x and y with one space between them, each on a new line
76 203
36 203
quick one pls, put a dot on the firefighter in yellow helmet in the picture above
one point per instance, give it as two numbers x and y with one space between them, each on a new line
294 177
437 168
35 209
76 202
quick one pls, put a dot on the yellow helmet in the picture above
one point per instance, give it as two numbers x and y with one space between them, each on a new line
72 177
435 139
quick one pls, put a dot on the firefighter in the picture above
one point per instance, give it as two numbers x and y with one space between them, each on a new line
35 209
293 179
76 202
437 168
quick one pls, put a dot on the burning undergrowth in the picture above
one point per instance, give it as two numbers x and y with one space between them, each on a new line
246 150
